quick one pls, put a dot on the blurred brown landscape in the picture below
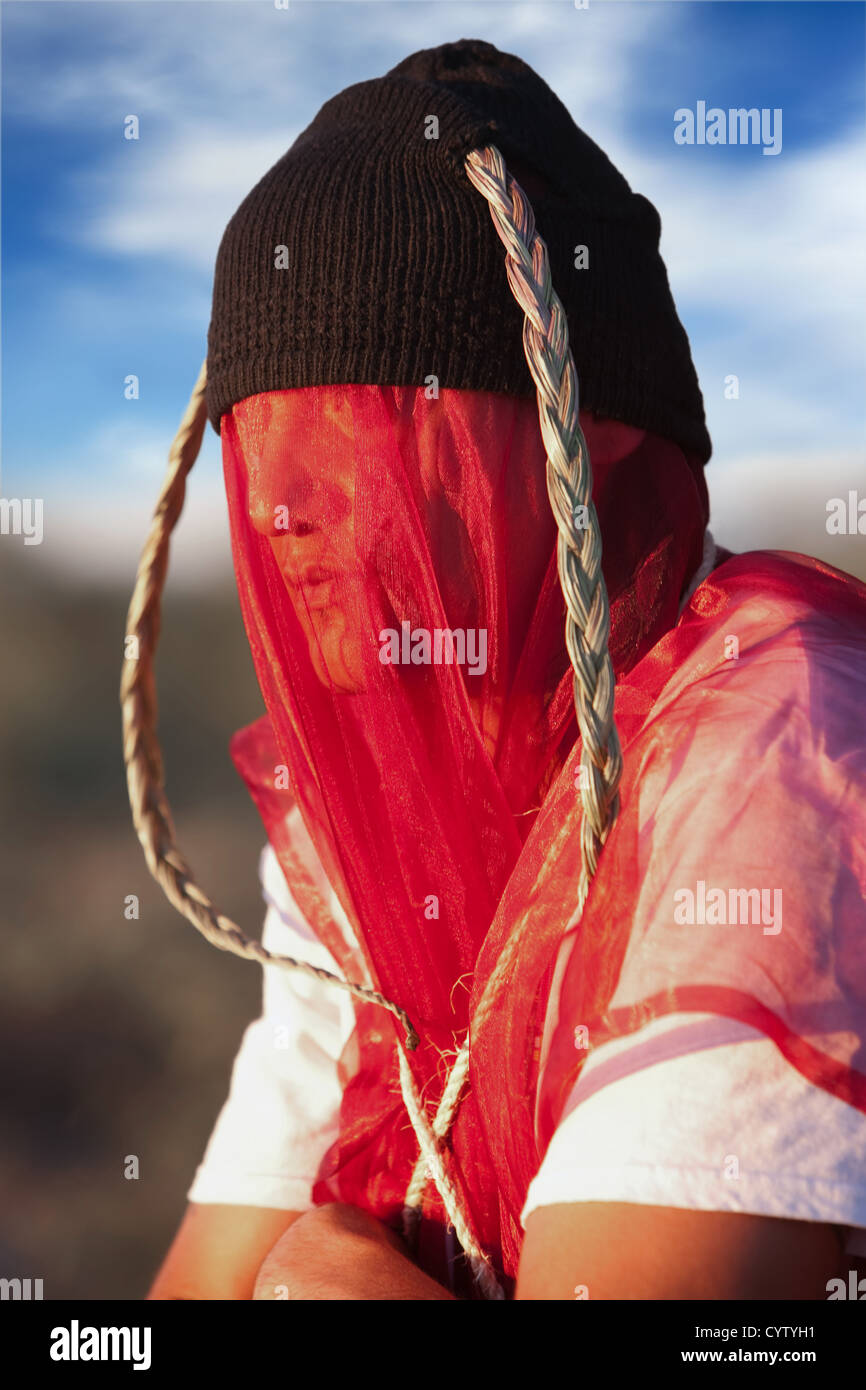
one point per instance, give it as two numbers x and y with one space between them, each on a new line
117 1036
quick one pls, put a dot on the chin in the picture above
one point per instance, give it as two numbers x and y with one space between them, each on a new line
336 659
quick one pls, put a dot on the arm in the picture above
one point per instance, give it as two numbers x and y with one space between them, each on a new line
337 1252
612 1250
255 1179
619 1250
217 1252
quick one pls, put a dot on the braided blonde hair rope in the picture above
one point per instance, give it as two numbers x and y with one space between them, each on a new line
569 485
569 482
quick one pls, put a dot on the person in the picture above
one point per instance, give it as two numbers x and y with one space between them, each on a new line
666 1095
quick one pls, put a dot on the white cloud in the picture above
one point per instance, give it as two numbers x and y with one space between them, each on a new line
171 193
778 247
161 61
175 198
96 524
778 501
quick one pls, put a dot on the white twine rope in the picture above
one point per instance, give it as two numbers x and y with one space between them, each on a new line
433 1165
569 483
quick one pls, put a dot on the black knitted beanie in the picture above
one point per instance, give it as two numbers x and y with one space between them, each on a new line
392 270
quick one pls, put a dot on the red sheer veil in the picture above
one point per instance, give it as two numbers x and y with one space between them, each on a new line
395 558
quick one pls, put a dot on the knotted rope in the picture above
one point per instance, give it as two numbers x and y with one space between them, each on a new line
569 484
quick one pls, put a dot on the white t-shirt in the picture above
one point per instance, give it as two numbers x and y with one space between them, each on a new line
693 1111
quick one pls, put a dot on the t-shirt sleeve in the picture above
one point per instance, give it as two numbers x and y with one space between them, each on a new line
703 1112
733 886
282 1111
748 798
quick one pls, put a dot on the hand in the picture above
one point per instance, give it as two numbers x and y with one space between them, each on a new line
337 1251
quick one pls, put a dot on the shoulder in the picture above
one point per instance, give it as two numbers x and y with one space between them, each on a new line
770 601
770 649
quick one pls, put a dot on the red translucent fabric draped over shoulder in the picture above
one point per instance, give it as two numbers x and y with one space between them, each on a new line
395 558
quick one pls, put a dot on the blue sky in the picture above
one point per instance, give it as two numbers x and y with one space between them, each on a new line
108 245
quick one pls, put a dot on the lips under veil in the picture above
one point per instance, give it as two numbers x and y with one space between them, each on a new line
366 520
